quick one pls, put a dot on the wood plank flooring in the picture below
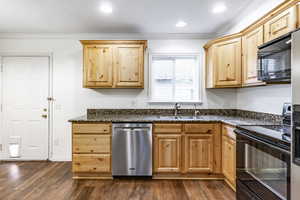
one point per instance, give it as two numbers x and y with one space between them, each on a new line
53 181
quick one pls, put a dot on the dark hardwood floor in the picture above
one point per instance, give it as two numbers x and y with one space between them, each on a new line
53 180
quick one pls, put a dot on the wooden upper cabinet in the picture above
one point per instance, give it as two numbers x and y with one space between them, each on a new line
281 24
113 64
129 65
250 42
228 63
98 66
199 153
298 14
225 65
167 153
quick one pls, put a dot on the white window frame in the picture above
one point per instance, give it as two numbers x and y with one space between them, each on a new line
199 71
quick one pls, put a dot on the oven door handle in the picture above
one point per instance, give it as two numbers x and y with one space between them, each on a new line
297 128
261 141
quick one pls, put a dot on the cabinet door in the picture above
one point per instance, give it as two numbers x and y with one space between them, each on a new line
281 24
129 66
229 159
199 153
98 66
250 43
228 63
167 153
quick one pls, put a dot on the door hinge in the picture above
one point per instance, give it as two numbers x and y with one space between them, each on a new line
1 108
1 67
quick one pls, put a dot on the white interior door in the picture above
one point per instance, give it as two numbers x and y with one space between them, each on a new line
25 88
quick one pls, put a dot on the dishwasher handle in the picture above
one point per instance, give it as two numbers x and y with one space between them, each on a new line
132 129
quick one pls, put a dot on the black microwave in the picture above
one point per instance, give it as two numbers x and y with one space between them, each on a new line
274 60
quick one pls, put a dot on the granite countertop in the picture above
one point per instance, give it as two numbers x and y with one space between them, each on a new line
231 120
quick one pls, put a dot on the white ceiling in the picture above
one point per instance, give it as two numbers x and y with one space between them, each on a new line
129 16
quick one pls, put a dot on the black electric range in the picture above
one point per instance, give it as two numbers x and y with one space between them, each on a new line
274 134
263 162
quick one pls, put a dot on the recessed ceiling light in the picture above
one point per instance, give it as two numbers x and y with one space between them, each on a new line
106 8
181 24
219 8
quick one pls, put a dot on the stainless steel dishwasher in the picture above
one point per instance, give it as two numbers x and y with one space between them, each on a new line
132 149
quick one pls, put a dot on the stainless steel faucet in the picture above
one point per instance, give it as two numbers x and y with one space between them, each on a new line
196 112
176 109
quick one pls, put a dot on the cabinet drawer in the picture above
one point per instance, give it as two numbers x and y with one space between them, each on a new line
228 131
91 128
91 143
199 128
91 163
168 128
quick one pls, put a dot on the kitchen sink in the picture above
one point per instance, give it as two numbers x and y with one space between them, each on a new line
177 117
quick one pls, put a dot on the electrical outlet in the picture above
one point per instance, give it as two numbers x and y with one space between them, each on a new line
133 103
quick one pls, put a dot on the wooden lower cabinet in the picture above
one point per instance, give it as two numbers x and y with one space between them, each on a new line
167 153
91 145
198 153
187 150
229 155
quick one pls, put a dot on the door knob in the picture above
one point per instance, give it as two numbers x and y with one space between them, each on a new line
44 116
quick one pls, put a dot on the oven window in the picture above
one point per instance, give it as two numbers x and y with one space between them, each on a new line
269 170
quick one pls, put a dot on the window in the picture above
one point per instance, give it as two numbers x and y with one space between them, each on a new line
174 78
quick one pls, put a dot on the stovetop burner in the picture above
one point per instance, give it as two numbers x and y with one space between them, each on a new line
278 132
285 130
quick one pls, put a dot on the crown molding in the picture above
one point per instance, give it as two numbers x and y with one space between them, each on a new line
107 36
254 4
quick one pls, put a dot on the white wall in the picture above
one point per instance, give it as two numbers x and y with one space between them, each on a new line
267 99
253 12
71 100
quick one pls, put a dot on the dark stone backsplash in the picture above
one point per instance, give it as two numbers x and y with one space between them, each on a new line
220 112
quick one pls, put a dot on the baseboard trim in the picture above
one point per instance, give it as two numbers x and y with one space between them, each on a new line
60 159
